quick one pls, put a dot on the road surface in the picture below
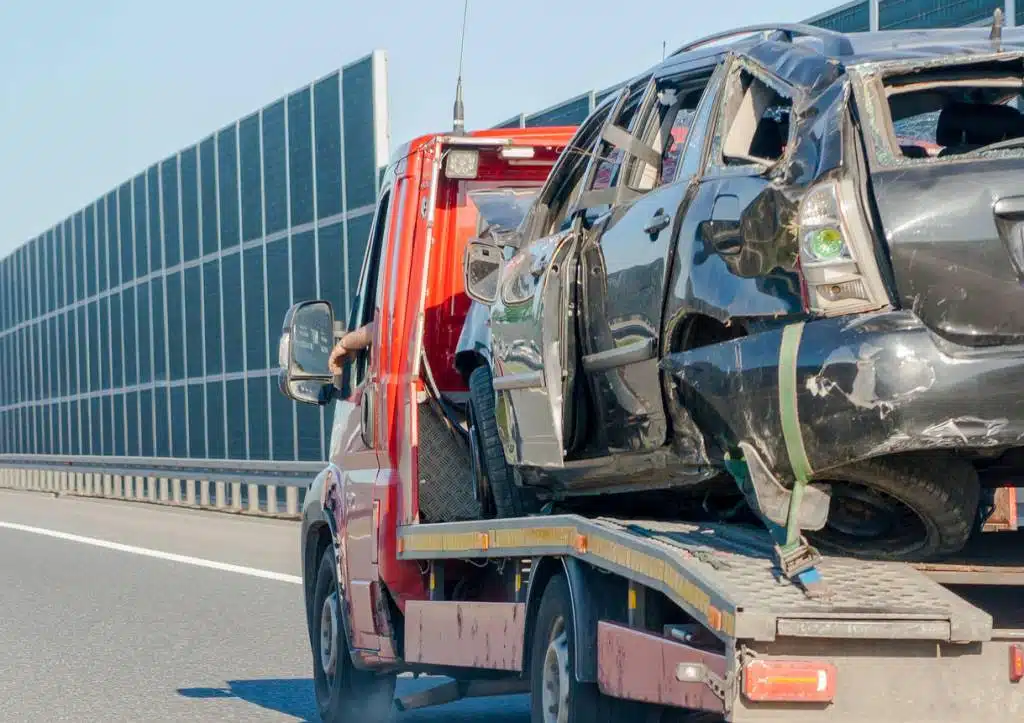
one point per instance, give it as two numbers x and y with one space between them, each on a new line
99 622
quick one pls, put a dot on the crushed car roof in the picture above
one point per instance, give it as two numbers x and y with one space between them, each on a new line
762 43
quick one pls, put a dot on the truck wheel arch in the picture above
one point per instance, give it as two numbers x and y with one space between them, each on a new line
594 597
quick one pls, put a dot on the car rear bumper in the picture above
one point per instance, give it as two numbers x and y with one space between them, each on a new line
865 386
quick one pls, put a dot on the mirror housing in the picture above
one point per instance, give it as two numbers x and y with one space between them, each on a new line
304 352
482 269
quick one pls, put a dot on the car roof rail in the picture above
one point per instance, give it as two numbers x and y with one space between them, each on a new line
836 44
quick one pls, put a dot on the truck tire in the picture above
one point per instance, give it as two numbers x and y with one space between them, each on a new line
907 508
510 500
343 693
554 689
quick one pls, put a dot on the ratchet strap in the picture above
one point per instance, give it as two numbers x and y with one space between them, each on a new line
797 559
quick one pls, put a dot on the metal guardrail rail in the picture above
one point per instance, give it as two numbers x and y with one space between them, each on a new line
260 488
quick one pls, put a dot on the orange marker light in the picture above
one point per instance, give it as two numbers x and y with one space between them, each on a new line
788 681
581 544
1016 663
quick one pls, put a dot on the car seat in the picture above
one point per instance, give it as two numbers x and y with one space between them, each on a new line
964 127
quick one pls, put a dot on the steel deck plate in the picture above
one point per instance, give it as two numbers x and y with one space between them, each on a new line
725 576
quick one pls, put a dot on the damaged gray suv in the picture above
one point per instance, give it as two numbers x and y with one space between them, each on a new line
785 267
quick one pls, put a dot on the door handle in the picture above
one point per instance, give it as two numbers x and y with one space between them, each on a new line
658 223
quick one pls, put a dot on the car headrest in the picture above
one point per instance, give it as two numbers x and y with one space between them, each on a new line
977 124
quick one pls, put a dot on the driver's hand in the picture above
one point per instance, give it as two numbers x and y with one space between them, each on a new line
339 355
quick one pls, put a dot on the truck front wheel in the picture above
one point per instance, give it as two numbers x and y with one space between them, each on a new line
343 693
557 697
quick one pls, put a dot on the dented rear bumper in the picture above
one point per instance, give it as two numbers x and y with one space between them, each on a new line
844 389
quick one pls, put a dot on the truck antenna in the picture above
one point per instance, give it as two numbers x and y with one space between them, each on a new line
664 48
459 112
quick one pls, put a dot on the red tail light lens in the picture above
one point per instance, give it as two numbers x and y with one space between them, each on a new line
1016 663
789 681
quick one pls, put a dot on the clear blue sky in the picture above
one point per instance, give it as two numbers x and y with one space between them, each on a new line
92 92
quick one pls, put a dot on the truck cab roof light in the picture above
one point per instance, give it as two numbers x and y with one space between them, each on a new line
789 681
1016 663
517 152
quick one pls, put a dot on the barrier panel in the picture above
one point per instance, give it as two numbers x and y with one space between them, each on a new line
268 489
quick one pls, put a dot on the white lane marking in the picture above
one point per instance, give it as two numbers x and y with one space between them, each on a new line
145 552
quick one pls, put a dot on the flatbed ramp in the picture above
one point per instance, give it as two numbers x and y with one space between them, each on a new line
724 576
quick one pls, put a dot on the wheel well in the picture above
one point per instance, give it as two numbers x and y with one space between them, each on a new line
698 330
544 569
317 540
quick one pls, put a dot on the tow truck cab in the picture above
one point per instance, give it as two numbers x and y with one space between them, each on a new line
398 450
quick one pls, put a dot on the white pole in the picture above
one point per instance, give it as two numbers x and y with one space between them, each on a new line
1010 13
873 15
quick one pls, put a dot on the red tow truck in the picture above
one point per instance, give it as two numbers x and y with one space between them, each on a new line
600 619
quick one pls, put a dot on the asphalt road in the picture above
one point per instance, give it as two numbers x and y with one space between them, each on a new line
89 633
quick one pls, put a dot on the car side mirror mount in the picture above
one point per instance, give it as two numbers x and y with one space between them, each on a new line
304 352
482 269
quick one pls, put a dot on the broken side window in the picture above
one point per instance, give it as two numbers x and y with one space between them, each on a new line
755 121
665 129
944 111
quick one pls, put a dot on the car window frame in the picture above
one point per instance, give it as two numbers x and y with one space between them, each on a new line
373 269
715 164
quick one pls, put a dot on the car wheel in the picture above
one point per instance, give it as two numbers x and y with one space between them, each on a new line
343 693
556 695
510 500
908 508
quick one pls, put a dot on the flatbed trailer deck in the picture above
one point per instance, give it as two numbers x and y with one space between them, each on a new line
883 641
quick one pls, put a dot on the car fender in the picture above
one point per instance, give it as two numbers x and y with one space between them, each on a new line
320 509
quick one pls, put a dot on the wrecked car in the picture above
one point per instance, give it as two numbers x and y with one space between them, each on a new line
795 250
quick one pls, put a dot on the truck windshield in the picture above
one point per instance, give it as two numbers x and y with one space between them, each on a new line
503 207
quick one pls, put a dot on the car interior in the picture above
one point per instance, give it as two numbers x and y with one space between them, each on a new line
956 113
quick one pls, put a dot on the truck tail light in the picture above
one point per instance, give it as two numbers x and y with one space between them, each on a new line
1016 663
837 255
788 681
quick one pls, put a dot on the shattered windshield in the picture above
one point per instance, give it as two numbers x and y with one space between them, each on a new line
956 111
503 207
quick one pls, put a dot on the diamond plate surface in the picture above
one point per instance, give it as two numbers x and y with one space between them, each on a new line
446 477
744 573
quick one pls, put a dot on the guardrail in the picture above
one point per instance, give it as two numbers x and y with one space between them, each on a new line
274 489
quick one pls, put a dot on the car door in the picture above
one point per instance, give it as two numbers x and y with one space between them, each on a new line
639 196
533 327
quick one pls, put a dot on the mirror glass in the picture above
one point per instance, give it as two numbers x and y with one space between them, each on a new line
483 267
311 339
306 391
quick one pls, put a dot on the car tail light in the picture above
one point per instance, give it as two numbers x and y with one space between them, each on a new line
789 681
1016 663
837 256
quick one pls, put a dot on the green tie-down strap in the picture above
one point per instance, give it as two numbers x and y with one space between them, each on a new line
791 427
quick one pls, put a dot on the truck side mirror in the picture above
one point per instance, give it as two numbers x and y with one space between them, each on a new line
304 352
482 269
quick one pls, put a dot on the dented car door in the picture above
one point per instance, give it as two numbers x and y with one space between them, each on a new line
641 171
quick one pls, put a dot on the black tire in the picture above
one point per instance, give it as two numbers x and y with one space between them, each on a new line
348 695
510 500
934 502
585 702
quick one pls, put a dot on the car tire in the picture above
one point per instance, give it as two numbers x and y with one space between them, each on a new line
346 695
938 493
510 500
553 684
